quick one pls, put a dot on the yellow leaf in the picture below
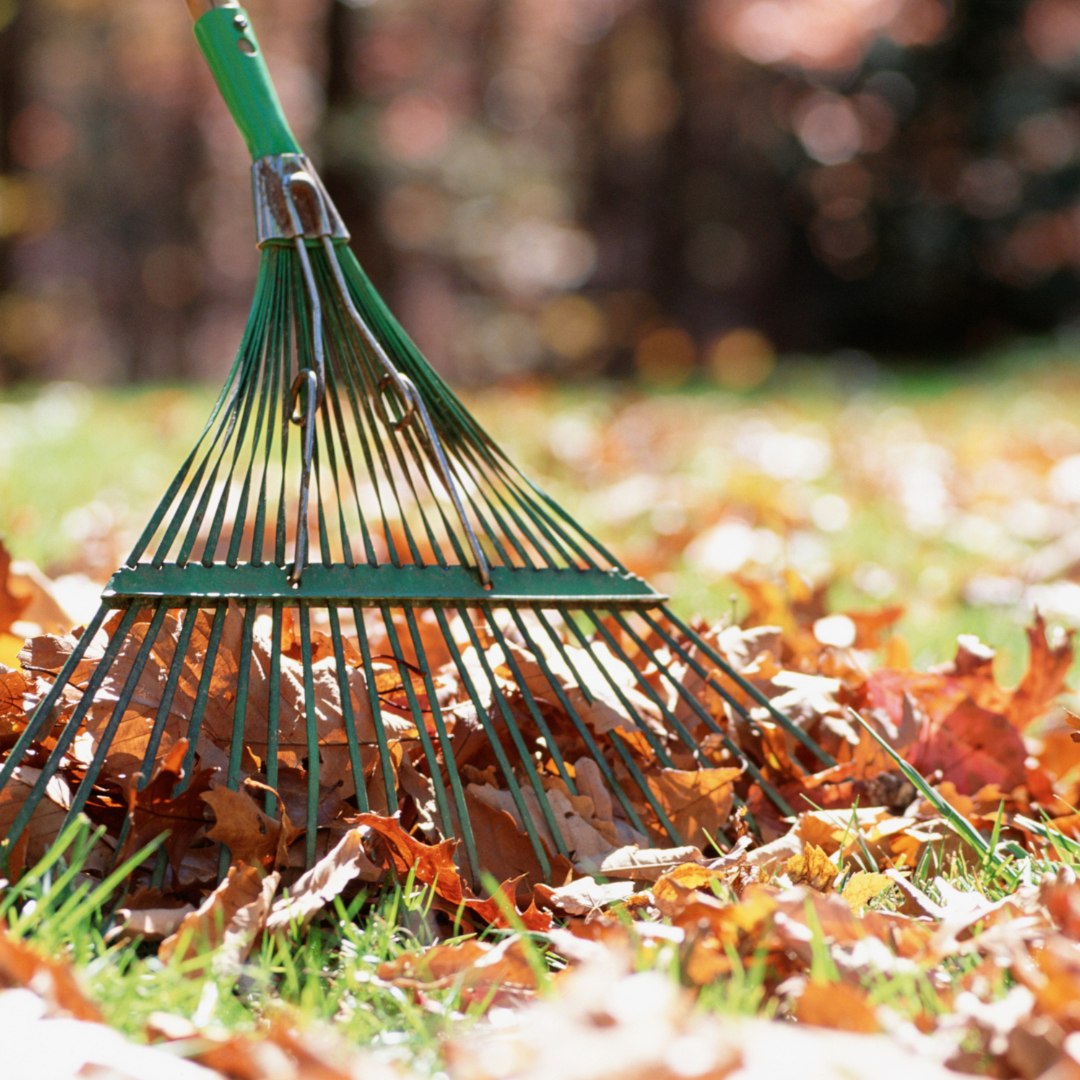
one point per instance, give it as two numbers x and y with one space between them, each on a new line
862 887
813 867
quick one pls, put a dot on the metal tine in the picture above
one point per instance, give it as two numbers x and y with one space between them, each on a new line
527 763
221 443
558 553
236 744
647 688
615 741
293 327
420 464
271 385
171 683
363 365
347 714
203 693
652 740
457 792
344 331
71 728
643 787
744 684
273 713
531 705
346 450
223 398
244 408
312 823
372 403
428 746
243 678
266 378
359 413
414 456
332 420
493 739
389 780
568 707
122 701
706 717
52 696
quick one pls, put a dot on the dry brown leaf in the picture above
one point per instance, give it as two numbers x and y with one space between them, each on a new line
153 810
250 835
813 867
697 802
836 1005
224 927
502 971
640 864
325 880
11 606
862 887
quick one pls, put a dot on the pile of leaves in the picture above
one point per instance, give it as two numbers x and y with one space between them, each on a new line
917 899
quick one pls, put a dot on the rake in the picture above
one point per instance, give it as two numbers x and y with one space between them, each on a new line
347 582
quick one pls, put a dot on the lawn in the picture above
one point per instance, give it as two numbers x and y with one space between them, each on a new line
870 934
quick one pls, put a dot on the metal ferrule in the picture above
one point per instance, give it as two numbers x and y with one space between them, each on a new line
273 179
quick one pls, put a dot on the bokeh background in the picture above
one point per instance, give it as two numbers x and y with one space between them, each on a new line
776 291
573 187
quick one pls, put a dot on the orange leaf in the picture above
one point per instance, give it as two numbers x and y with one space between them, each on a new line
813 868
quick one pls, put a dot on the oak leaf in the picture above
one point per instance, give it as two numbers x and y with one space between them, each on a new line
813 867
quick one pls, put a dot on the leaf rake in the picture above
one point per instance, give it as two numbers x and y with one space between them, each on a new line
349 589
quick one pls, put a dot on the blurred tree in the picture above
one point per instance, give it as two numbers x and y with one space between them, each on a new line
570 186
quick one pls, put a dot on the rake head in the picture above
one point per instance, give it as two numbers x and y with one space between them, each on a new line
351 600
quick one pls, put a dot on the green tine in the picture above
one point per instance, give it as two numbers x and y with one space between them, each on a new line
533 708
658 748
523 752
171 683
347 460
389 780
736 706
347 711
406 674
747 686
263 378
582 728
122 702
243 678
493 738
236 745
273 715
303 617
237 436
613 737
643 787
456 790
358 415
203 693
48 703
706 717
271 385
646 688
52 766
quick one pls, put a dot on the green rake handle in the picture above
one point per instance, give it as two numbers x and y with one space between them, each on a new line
228 42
